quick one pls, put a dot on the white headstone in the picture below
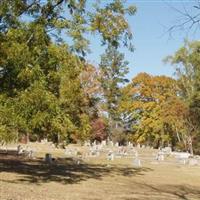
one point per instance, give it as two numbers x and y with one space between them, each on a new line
111 143
117 144
19 149
193 162
110 156
103 143
160 156
137 162
95 143
130 144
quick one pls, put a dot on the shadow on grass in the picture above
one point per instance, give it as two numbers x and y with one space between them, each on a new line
64 170
167 191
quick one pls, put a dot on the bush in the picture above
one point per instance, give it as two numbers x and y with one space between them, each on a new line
99 130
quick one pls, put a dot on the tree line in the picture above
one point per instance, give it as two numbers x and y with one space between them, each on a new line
50 90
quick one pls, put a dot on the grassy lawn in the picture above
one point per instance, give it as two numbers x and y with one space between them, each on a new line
95 179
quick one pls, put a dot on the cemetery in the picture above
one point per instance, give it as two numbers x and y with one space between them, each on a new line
99 100
97 171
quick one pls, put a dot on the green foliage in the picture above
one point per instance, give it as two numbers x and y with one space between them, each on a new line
8 121
113 69
85 127
43 90
111 24
187 62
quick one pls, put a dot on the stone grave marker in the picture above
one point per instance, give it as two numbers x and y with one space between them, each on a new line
182 157
110 156
103 143
130 144
137 162
193 162
167 150
48 158
111 143
19 149
160 156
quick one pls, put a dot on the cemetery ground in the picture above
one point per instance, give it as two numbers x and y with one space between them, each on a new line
85 177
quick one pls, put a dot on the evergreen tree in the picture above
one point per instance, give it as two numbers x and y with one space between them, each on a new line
113 69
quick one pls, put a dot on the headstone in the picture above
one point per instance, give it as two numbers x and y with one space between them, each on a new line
111 143
78 162
44 141
94 143
130 144
68 152
110 156
183 157
137 162
138 145
103 143
117 144
160 156
31 154
99 147
167 150
124 153
193 162
184 161
94 152
148 147
19 149
48 158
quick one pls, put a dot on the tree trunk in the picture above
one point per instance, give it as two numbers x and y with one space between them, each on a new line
184 141
190 145
27 138
178 136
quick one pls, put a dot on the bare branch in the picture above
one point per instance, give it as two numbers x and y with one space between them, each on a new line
189 21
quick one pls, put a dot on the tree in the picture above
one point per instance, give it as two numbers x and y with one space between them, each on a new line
113 70
73 17
41 75
154 110
114 30
8 121
187 62
99 129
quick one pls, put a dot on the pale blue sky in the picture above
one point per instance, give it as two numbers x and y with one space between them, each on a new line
152 43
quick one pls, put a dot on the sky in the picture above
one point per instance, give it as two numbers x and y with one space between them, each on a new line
150 38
